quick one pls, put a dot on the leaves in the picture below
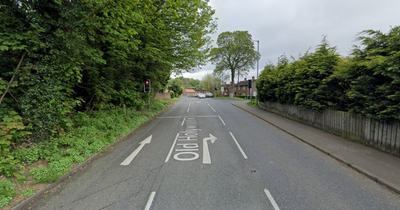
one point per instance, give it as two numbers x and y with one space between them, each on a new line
366 82
235 53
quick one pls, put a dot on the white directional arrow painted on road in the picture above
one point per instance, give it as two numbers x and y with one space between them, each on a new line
129 159
206 152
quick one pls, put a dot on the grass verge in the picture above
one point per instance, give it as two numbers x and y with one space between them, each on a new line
32 168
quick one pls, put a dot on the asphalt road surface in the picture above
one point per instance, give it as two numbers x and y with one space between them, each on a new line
208 154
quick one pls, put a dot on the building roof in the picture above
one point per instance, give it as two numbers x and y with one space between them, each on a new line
190 90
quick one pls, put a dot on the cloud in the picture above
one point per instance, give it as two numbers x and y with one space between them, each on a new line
292 27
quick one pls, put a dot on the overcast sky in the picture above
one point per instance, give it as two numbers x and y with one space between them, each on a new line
292 27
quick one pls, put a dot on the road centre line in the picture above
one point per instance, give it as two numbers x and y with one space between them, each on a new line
172 148
240 148
183 121
271 199
221 120
150 201
213 109
189 107
174 117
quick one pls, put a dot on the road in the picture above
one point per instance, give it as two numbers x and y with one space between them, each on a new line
208 154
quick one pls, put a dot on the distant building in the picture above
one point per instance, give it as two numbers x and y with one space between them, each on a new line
240 88
189 92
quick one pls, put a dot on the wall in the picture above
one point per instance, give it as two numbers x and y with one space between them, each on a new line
163 95
381 135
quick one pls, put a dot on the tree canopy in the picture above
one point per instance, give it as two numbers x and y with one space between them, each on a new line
366 82
57 57
210 81
235 53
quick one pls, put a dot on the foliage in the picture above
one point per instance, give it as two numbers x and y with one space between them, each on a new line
367 82
7 192
209 82
85 55
28 192
176 85
235 53
8 165
52 172
190 83
11 129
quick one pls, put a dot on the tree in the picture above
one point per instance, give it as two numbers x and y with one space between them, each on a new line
209 82
235 53
60 56
176 85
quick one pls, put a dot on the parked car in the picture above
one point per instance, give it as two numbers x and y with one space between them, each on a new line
195 95
200 96
209 95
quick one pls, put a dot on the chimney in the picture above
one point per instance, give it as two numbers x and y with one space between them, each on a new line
253 77
245 79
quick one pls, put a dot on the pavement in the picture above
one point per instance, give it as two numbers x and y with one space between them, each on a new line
376 165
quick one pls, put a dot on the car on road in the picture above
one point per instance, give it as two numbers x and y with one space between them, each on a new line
209 95
200 96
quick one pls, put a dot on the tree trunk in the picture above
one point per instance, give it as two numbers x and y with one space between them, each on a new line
12 78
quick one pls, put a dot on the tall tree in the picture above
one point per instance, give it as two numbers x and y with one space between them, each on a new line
235 53
209 81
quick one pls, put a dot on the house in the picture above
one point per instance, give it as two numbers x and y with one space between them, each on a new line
189 92
240 88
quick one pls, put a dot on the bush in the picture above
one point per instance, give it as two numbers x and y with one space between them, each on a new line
7 192
28 156
8 166
52 172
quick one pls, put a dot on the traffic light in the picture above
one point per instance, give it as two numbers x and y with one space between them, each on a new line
147 86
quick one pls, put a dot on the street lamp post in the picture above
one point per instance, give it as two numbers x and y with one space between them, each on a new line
258 52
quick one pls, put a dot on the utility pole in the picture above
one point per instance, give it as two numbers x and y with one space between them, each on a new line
258 52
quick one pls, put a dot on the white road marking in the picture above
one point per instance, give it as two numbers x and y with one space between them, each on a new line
189 107
271 199
129 159
183 121
240 148
172 148
221 120
174 117
206 152
150 201
213 109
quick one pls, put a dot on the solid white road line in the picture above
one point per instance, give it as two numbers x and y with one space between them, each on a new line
221 120
129 159
150 201
172 148
240 148
271 199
